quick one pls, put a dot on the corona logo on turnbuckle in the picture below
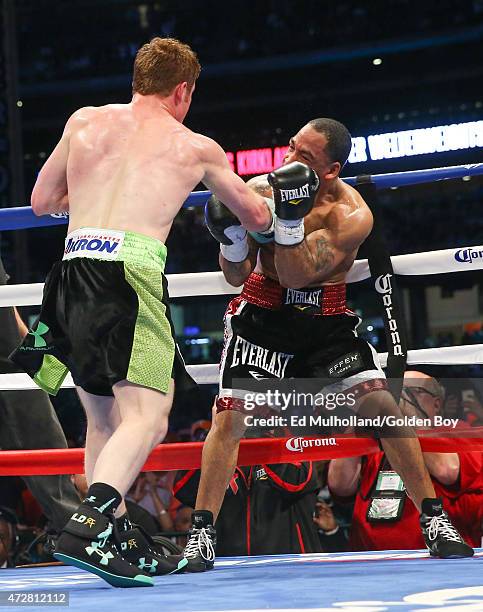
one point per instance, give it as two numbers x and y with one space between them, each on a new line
94 243
383 284
384 287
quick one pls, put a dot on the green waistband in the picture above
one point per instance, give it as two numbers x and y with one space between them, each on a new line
115 245
138 248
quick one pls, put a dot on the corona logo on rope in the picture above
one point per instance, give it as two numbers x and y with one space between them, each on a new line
297 445
468 255
384 287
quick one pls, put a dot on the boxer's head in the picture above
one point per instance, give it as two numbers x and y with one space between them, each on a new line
323 144
168 68
422 395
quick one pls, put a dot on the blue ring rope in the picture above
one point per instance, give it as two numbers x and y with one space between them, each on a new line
22 217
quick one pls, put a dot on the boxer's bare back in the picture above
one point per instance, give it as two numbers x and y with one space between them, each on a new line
131 167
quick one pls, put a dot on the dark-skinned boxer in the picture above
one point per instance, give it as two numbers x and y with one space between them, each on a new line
291 321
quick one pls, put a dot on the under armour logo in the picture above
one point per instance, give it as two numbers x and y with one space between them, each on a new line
150 567
95 547
42 329
104 506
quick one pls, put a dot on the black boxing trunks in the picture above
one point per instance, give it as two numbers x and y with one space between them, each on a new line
104 316
272 332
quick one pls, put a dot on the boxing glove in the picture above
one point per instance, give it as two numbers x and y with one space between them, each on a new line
294 189
225 227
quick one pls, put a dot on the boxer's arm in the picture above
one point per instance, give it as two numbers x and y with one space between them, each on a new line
318 256
22 328
236 273
343 476
250 208
50 190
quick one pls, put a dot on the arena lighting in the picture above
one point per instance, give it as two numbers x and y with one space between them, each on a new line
407 143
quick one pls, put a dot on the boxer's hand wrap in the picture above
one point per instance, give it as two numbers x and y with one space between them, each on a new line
227 229
294 189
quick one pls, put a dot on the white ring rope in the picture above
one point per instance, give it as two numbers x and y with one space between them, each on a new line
213 283
206 374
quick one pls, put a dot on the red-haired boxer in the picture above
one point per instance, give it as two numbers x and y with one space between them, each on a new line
123 172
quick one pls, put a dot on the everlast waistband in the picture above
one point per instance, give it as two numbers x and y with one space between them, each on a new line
268 293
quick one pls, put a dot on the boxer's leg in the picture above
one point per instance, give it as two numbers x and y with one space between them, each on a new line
103 419
220 453
402 448
404 453
87 541
143 423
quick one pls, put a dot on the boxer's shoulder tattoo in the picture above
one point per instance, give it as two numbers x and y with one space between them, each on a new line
324 255
260 185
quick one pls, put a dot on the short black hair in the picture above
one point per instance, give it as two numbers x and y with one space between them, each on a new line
339 142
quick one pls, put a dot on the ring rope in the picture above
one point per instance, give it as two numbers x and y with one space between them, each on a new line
187 455
254 452
463 259
23 217
206 374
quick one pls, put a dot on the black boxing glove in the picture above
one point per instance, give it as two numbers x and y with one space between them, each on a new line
225 227
294 189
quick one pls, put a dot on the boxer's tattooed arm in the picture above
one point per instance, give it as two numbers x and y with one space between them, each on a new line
312 260
260 185
324 255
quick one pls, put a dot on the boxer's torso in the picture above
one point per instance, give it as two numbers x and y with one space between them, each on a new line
321 217
130 167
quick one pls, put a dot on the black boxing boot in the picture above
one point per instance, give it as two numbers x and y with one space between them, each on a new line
88 542
200 549
441 537
137 547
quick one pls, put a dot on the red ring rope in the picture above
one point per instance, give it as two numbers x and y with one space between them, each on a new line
187 455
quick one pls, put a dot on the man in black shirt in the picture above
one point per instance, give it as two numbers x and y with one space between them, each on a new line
28 421
267 509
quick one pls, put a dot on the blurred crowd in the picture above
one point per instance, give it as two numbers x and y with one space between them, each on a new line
263 28
432 221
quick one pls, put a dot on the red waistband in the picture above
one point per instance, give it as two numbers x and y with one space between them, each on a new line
268 293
